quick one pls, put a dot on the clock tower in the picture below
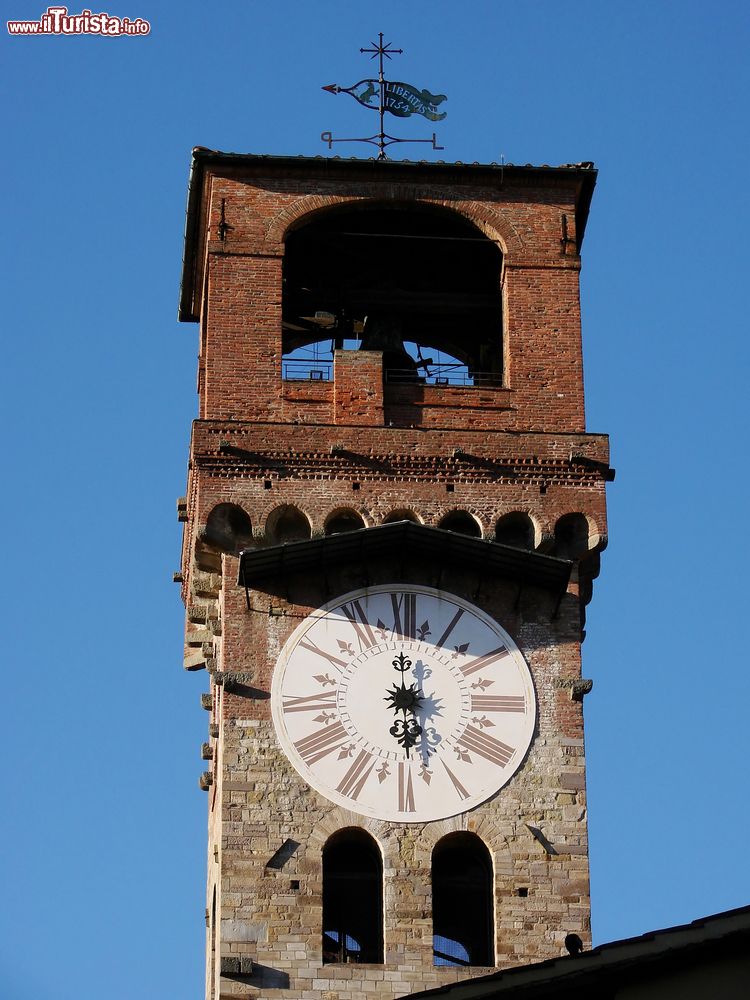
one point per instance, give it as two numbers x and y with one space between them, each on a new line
393 520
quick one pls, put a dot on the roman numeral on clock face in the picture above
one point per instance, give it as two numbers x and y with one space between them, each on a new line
498 703
320 743
484 661
404 615
462 793
335 661
449 628
405 789
357 617
354 779
486 746
309 702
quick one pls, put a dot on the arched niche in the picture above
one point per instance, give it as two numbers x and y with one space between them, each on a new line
516 529
572 536
417 281
344 519
402 514
287 524
462 522
228 529
352 898
463 925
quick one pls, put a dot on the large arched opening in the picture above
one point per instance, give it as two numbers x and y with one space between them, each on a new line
418 282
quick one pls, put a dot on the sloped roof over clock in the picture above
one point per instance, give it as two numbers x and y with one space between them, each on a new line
406 540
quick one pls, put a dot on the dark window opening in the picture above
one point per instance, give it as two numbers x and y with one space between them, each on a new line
461 522
344 520
462 902
516 529
418 283
352 898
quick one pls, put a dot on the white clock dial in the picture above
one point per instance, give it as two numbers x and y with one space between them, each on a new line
403 703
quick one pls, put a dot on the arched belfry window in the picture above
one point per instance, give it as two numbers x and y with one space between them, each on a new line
462 902
352 898
418 282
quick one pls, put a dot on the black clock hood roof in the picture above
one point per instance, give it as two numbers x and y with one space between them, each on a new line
404 538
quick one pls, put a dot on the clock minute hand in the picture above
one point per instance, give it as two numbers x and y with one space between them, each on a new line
405 700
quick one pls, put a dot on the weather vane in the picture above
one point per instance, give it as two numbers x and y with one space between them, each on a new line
381 95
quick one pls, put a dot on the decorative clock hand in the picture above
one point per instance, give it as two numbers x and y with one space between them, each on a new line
406 700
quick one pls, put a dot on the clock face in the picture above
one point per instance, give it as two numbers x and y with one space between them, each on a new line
403 703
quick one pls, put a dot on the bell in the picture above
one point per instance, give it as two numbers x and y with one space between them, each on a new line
383 332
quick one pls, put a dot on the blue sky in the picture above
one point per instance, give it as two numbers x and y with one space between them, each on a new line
103 828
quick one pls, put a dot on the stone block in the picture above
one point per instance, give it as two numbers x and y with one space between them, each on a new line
194 661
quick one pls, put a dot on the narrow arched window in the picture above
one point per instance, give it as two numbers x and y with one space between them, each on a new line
462 902
352 898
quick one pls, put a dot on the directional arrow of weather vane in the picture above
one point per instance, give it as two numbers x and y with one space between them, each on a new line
397 98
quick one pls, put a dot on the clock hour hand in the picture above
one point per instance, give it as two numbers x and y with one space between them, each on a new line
405 700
